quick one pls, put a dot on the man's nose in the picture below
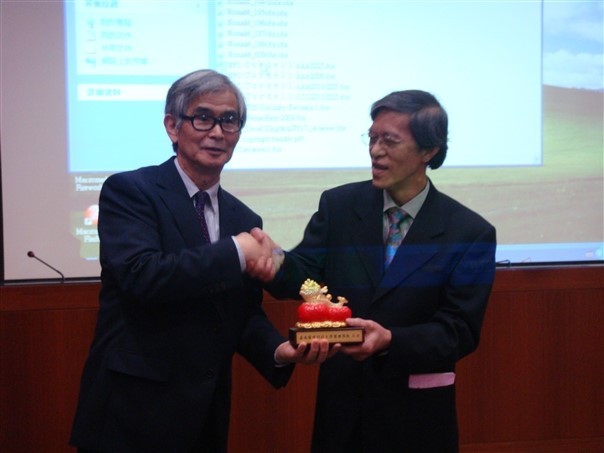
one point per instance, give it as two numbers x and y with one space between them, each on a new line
377 148
216 130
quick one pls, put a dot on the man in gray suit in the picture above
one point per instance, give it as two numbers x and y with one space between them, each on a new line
417 268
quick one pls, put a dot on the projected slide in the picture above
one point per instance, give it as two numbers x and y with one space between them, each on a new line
84 85
309 72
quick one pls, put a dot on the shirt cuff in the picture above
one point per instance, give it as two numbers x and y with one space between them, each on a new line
240 254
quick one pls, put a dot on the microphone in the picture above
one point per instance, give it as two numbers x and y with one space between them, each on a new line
33 255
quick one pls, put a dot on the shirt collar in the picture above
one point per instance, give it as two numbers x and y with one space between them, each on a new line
413 206
192 189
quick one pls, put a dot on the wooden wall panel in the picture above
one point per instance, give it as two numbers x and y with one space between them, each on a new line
533 385
45 332
539 370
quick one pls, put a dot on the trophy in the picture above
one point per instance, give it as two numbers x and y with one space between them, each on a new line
321 318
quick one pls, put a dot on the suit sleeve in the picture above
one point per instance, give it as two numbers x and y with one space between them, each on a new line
307 259
145 255
257 345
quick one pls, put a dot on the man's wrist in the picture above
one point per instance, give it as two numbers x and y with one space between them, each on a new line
279 363
278 256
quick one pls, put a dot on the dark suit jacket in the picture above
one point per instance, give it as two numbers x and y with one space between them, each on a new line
432 297
172 313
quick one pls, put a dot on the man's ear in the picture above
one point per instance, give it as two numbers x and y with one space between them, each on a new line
170 124
428 154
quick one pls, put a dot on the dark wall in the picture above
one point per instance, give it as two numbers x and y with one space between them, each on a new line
533 385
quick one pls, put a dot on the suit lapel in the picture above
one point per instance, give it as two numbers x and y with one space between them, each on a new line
419 245
368 228
173 192
230 224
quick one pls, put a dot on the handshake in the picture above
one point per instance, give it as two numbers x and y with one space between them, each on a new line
263 257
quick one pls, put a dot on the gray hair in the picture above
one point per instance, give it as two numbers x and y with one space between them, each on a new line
187 88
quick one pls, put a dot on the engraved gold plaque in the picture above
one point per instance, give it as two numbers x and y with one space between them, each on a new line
343 335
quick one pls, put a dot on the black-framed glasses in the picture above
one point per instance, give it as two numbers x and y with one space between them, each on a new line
390 141
204 122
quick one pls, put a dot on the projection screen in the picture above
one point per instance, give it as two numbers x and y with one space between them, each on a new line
84 83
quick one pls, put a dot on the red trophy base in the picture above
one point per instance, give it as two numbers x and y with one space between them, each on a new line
343 335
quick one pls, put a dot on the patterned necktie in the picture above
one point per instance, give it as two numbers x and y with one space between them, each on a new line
200 199
395 237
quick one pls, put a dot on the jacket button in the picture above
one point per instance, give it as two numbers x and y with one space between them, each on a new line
210 373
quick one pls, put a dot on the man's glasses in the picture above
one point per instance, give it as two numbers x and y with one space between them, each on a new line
390 141
204 122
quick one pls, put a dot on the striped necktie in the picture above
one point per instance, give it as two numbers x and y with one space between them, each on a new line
395 237
200 199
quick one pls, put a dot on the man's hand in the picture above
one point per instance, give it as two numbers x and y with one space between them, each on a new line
266 266
377 339
253 249
318 351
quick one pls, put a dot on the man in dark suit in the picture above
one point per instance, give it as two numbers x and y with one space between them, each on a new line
175 302
422 312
